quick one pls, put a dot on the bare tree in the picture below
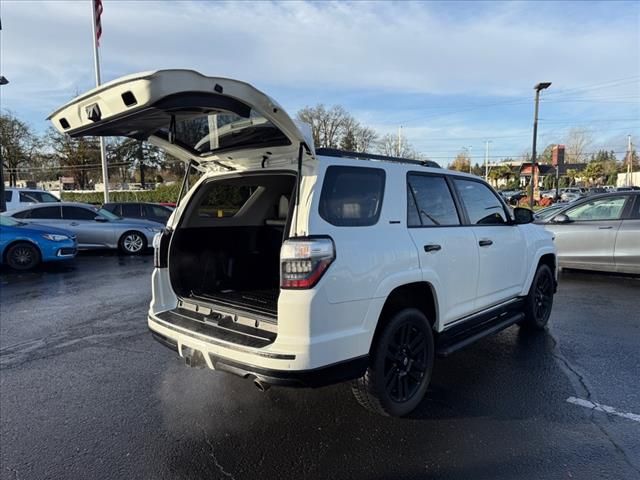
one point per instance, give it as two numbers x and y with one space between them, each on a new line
461 163
327 125
18 144
357 138
78 156
389 145
578 142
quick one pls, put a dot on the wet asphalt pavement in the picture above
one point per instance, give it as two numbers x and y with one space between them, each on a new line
86 393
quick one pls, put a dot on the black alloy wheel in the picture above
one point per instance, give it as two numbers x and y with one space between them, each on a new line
400 365
405 363
539 301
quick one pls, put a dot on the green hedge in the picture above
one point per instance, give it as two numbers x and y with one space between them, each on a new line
164 193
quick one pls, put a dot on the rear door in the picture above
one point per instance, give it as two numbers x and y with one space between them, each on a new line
217 122
589 238
500 244
50 216
446 247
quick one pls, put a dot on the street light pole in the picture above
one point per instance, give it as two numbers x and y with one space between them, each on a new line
540 86
486 160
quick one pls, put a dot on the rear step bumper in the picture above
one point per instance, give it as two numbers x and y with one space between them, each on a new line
314 378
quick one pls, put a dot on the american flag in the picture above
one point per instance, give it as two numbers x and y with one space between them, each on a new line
97 8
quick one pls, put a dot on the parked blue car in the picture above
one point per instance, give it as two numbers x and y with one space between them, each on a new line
23 246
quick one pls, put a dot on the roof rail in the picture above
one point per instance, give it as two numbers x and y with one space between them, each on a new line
334 152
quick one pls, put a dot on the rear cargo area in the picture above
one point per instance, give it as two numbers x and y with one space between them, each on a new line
226 250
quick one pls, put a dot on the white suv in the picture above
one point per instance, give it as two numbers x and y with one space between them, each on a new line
301 267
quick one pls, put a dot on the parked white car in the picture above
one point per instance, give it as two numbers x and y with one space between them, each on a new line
301 267
22 197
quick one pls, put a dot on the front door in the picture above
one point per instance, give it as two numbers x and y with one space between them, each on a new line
82 222
589 236
500 244
446 248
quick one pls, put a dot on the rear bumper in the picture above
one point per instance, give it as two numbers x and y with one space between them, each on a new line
317 377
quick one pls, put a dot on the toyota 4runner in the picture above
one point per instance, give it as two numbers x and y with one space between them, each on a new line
297 266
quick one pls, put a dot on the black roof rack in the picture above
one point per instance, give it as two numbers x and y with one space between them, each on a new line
334 152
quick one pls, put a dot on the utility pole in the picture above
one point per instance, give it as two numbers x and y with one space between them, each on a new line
3 204
629 159
486 160
538 87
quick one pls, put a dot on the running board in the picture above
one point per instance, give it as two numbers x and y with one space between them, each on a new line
454 339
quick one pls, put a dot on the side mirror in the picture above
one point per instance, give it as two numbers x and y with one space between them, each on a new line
522 215
562 218
100 218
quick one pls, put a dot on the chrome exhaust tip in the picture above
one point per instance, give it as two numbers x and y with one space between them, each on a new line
260 385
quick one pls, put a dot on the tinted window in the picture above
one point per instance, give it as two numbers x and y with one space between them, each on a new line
29 197
78 213
225 200
352 196
45 212
432 202
157 211
609 208
483 207
635 212
131 210
46 197
7 196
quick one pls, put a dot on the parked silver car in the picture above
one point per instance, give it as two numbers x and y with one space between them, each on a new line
600 232
94 227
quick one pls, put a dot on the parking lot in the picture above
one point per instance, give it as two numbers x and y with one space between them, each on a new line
85 392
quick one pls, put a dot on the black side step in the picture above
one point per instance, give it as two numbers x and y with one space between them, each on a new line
475 328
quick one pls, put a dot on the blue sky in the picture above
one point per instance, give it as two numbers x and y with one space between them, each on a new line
453 74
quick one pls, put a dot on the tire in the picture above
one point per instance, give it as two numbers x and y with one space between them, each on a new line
400 366
23 256
539 301
132 243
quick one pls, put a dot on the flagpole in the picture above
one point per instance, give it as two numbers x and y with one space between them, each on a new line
96 61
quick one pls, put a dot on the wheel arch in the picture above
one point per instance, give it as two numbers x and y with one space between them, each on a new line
15 242
547 257
417 294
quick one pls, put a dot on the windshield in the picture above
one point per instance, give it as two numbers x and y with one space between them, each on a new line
107 214
9 222
213 132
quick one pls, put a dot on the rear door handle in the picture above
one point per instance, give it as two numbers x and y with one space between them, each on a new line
605 228
74 224
432 248
485 243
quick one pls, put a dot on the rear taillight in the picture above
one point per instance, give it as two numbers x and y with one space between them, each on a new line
303 261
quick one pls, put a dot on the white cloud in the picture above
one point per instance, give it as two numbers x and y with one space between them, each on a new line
390 48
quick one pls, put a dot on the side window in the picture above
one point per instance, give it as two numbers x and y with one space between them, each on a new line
432 202
7 196
23 214
155 211
224 200
352 196
635 211
47 197
609 208
29 197
78 213
51 213
482 205
131 210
